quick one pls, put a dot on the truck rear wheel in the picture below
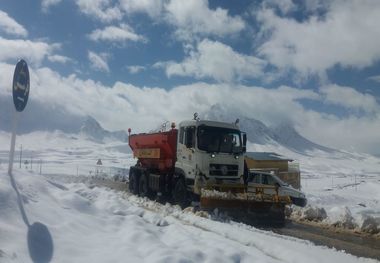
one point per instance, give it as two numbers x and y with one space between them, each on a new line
277 215
144 190
133 182
180 194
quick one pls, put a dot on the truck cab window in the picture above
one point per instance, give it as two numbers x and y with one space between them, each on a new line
217 139
190 137
181 135
227 143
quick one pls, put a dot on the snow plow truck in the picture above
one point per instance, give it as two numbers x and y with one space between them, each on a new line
202 162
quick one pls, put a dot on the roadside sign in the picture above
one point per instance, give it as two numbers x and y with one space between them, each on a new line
21 85
20 92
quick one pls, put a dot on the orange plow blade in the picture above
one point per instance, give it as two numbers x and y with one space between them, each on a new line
250 208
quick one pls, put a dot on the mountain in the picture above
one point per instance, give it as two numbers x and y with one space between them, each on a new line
94 131
287 136
257 132
283 134
39 116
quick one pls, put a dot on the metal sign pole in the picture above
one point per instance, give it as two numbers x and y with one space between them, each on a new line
13 141
20 155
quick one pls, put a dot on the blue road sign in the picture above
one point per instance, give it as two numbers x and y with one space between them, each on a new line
21 85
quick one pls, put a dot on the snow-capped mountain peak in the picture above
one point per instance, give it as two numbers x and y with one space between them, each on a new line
92 129
287 136
283 134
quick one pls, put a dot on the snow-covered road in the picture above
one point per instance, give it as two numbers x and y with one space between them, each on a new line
94 224
355 243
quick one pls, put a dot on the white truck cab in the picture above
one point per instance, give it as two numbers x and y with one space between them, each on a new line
263 179
210 151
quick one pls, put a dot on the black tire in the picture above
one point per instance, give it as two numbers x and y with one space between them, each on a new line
134 182
144 190
180 194
278 216
130 182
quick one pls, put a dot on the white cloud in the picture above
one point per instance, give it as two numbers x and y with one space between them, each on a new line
32 52
285 6
6 78
375 78
10 26
98 62
360 134
349 98
59 59
215 60
135 69
190 18
348 35
143 108
152 8
194 17
102 10
46 4
72 94
122 33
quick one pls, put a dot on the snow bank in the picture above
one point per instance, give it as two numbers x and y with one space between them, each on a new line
339 216
371 225
310 213
342 217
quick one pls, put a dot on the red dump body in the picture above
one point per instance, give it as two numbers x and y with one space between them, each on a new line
155 151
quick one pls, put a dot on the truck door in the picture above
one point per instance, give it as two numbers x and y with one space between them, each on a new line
185 151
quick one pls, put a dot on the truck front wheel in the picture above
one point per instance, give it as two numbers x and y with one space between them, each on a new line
180 194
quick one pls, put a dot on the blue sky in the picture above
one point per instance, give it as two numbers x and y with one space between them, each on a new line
313 63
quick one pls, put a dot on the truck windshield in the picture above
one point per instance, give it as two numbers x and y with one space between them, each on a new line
214 139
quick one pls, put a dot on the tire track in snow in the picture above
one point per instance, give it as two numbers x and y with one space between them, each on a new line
240 233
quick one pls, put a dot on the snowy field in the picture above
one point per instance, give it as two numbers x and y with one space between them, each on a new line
44 219
60 153
346 185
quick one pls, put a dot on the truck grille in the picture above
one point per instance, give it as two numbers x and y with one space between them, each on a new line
224 169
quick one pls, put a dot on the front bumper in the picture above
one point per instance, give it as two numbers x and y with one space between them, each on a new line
299 201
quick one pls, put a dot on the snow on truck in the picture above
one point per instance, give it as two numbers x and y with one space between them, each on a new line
202 162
